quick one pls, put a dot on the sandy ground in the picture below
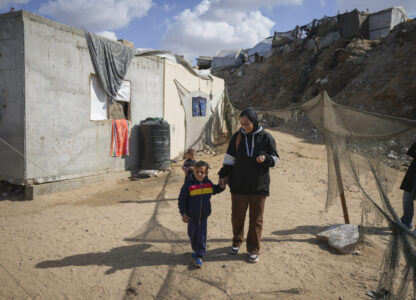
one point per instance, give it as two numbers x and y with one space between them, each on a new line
125 240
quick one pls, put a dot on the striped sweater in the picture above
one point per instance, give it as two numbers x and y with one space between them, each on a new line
195 198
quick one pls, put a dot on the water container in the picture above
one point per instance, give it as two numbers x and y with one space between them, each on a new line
154 144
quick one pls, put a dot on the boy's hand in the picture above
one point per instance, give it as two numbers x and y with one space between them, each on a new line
185 218
221 183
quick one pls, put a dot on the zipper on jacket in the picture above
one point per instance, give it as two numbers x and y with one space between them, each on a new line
200 207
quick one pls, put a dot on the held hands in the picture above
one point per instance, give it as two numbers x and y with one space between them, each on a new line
185 219
221 183
260 159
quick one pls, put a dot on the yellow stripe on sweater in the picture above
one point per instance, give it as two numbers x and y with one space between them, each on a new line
201 191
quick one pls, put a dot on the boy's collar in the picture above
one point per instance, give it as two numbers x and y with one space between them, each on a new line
194 178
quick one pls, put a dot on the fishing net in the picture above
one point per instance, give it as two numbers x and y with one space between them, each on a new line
368 150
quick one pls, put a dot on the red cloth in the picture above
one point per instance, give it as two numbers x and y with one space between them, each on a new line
120 138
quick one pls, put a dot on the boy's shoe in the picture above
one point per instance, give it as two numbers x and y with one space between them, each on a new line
194 256
198 262
253 258
234 250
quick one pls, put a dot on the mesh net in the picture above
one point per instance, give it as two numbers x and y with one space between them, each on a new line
367 150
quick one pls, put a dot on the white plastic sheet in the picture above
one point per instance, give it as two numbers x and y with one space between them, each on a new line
123 93
98 101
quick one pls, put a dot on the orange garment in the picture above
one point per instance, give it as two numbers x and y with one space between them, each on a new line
120 133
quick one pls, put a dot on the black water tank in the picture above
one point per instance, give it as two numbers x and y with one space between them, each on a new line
154 144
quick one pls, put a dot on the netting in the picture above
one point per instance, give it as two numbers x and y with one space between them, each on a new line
368 150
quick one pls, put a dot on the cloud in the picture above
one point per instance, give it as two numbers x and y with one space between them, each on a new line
96 15
168 7
323 2
108 34
376 5
6 3
220 24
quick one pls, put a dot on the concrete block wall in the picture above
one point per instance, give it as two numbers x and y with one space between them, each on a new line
12 109
60 140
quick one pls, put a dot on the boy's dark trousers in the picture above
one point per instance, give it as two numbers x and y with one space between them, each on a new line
198 235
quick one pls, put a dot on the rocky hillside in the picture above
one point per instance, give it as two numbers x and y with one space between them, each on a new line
372 75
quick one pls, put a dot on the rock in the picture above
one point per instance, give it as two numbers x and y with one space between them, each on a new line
328 39
324 235
310 45
288 48
344 238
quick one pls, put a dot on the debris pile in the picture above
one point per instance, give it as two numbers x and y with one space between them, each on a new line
374 75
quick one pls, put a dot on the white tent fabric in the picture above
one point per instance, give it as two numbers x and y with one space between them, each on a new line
123 93
227 58
198 130
262 48
381 22
98 101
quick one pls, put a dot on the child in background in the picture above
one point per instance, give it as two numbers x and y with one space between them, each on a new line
188 165
195 207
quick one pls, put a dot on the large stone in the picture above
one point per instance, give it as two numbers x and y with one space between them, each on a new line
343 238
324 235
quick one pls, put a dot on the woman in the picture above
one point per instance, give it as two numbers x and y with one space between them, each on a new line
409 189
250 154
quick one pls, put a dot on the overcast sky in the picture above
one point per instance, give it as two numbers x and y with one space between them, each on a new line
194 27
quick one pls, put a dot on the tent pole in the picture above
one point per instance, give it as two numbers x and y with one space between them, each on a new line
341 188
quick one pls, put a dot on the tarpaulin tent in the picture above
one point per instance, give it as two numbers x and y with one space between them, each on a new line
262 49
227 58
353 24
281 38
380 23
204 62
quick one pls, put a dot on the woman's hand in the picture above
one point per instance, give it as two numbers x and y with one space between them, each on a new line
185 219
260 159
221 183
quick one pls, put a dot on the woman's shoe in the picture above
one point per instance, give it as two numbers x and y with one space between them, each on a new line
253 258
234 250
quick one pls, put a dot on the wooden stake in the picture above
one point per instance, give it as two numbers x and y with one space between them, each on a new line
340 187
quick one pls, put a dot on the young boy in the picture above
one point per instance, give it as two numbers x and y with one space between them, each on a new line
188 165
195 207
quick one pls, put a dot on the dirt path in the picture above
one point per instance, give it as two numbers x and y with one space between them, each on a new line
125 240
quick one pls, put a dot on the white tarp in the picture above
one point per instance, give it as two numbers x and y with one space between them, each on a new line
198 129
227 58
380 23
98 101
262 48
123 93
99 98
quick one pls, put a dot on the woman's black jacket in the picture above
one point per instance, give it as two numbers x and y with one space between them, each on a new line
409 179
247 176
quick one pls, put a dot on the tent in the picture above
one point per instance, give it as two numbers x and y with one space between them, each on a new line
262 49
281 38
353 24
380 23
204 62
227 58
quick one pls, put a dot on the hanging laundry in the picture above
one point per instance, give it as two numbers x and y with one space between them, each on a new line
120 134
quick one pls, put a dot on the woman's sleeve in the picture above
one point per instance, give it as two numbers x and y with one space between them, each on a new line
412 151
272 157
229 158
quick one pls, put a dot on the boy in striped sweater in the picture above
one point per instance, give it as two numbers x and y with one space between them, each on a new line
195 207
